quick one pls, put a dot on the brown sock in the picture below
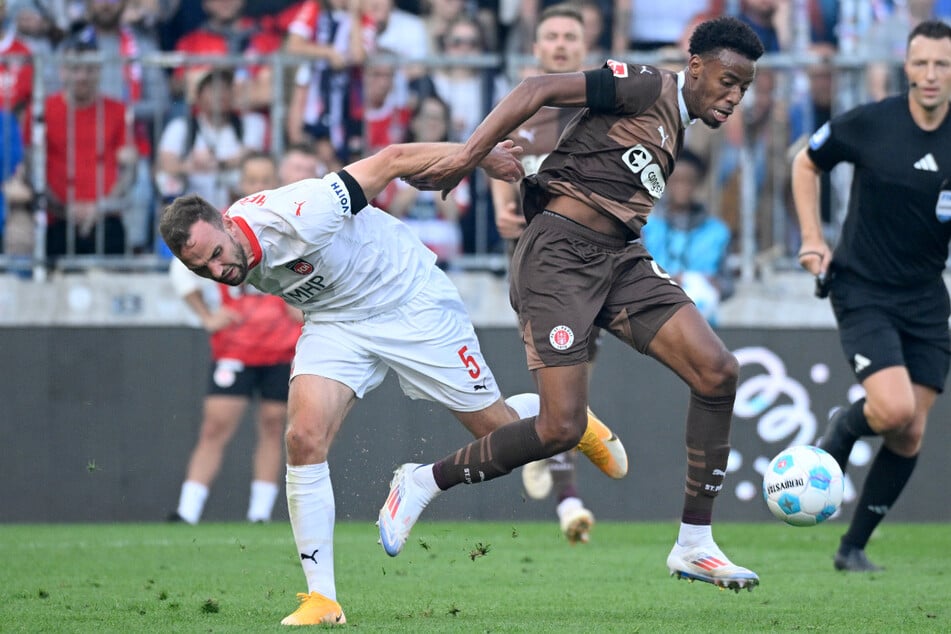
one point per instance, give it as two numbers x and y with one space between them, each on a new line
708 448
491 456
563 480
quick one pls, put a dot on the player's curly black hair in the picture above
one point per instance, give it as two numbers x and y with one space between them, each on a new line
725 32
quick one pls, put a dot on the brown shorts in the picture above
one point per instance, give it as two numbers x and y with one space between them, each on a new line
566 279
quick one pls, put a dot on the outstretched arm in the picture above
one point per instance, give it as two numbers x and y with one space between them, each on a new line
374 173
567 90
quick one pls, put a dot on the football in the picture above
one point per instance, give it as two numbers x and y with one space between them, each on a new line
803 485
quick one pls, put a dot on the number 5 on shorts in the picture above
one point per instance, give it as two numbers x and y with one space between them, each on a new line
469 361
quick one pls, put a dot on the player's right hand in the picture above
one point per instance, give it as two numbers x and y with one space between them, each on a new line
815 256
509 221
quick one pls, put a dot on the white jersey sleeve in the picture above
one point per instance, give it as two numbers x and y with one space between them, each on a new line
312 250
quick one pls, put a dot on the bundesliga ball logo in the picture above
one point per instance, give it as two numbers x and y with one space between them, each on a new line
803 486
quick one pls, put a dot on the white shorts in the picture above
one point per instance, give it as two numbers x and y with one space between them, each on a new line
429 342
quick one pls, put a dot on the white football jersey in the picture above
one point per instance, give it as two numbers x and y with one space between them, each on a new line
311 249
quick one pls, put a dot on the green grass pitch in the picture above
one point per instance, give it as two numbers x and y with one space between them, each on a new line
465 577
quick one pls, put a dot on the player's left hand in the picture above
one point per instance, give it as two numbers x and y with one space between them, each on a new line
504 162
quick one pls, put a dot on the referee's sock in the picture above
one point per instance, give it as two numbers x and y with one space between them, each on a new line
845 427
886 479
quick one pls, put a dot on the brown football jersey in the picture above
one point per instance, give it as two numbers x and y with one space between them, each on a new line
617 162
539 135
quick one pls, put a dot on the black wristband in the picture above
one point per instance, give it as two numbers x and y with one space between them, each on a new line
358 200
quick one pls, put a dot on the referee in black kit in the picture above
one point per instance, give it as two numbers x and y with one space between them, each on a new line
885 276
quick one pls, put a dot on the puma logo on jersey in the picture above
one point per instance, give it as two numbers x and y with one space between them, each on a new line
927 163
299 205
860 362
646 70
663 135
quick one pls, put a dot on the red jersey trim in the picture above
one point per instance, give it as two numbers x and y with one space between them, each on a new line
256 252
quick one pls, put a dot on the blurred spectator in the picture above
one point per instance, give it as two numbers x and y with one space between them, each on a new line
41 25
252 344
439 15
90 159
434 219
687 242
226 32
888 36
200 153
16 213
760 15
386 116
300 162
469 90
397 30
16 67
144 90
178 19
596 34
807 114
325 103
823 21
597 16
640 25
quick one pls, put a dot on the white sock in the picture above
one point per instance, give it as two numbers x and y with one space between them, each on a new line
423 476
693 534
261 504
310 504
568 505
191 501
525 405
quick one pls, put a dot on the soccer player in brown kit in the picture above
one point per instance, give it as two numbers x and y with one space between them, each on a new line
580 264
559 47
885 276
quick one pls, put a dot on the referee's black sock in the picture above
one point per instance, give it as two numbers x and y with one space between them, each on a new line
845 427
886 479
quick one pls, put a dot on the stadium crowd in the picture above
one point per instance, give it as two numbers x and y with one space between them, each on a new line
111 108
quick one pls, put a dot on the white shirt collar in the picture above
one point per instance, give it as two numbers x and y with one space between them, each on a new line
684 115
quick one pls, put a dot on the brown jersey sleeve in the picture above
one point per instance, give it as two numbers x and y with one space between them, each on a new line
616 161
620 88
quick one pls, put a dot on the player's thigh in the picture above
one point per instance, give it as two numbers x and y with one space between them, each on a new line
432 346
640 302
316 407
890 397
339 351
687 344
561 275
486 420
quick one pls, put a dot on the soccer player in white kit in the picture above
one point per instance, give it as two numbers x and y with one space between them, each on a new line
372 299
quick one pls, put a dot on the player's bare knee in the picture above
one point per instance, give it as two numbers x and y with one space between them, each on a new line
719 377
561 432
304 446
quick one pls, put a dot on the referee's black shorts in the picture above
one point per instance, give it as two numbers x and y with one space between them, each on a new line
886 326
